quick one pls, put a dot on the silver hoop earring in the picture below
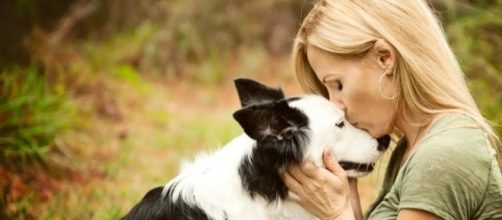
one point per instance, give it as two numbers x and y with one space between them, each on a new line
380 89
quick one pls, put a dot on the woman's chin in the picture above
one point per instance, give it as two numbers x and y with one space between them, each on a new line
378 134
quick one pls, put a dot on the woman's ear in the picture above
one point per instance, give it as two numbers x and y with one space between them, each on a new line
385 54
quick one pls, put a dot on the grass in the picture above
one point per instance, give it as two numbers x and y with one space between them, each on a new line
113 161
138 128
121 160
161 133
32 114
160 136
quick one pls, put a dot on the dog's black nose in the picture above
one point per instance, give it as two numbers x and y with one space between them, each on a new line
383 142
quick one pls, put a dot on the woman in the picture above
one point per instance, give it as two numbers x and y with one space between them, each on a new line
388 65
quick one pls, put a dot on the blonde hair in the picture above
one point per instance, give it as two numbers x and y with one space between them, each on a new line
427 73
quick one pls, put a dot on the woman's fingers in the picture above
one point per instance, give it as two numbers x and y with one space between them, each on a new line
310 169
310 177
321 191
297 173
331 162
293 184
307 178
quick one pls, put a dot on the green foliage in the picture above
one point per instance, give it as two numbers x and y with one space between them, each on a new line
210 70
129 75
475 33
31 114
200 41
25 5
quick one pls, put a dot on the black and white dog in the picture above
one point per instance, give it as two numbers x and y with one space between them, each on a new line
243 179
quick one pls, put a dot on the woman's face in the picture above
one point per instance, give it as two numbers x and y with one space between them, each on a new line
353 85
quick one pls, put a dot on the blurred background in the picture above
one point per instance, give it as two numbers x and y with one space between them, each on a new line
101 100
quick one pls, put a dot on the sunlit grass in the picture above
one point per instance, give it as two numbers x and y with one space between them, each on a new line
160 130
32 113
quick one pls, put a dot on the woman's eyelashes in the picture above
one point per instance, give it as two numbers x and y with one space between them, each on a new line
336 84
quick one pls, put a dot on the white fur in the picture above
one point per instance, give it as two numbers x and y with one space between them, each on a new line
212 181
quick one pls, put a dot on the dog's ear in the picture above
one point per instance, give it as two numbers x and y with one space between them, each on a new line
275 119
252 92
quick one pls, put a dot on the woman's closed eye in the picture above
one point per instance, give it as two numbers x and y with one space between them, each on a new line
336 84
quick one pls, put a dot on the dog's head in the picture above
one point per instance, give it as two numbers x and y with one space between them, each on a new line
290 130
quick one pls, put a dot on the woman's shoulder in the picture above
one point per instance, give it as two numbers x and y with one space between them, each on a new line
456 137
452 172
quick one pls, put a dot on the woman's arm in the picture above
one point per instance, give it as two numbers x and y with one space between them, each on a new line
354 199
414 214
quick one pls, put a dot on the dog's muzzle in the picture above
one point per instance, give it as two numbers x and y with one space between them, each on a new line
383 143
359 167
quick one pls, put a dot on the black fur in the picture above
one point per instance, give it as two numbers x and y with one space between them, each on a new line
252 92
275 118
154 206
279 131
261 172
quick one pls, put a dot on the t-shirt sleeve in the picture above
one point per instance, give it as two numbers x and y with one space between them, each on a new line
446 176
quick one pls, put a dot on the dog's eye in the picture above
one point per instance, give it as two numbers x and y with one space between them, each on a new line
340 124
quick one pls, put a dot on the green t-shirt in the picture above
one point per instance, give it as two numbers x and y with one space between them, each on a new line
451 173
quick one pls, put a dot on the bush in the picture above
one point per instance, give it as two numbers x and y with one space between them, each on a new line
212 34
32 114
475 33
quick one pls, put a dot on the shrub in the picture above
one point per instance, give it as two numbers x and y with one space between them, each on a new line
32 114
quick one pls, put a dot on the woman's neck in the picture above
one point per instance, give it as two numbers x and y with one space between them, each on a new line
415 132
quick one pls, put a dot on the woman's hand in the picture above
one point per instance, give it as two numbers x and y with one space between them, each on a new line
322 192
